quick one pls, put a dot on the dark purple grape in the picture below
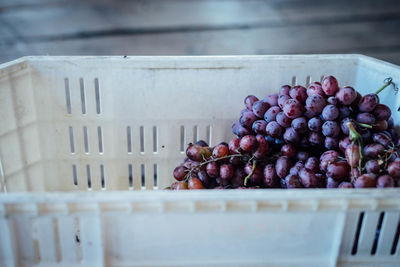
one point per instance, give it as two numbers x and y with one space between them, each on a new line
338 170
332 100
235 127
226 171
296 168
344 127
309 114
197 153
284 90
271 113
271 179
321 180
242 131
330 85
290 135
238 178
260 127
380 126
315 103
368 102
330 113
382 139
272 100
202 143
300 125
282 100
384 181
180 173
330 129
204 178
282 166
292 108
315 139
274 129
365 134
262 148
315 88
257 177
344 143
315 124
236 161
308 178
372 166
373 150
346 95
366 118
327 158
243 111
288 150
283 120
312 164
234 146
248 143
247 119
352 154
260 107
221 150
331 183
344 112
345 185
394 168
293 181
299 93
382 112
331 143
302 156
249 101
365 181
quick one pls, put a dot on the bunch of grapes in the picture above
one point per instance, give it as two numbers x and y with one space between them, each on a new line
323 136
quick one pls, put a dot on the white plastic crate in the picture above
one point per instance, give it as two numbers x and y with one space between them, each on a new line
121 124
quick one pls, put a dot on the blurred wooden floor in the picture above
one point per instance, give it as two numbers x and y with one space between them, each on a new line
199 27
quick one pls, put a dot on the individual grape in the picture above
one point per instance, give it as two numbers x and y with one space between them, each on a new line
247 119
248 143
345 185
344 127
282 166
382 112
315 139
288 150
226 171
366 118
182 185
308 178
382 139
212 169
293 181
365 134
262 148
271 113
194 183
272 100
365 181
260 107
249 101
221 150
180 173
243 111
259 127
344 112
270 177
352 154
331 143
236 161
309 114
372 166
191 165
330 113
197 153
315 88
296 168
283 120
346 95
234 146
338 170
204 178
292 108
344 143
299 93
242 131
284 90
330 129
332 100
384 181
330 85
394 168
300 124
368 102
331 183
373 150
290 135
312 164
202 143
274 129
238 178
315 124
327 158
380 126
315 103
321 180
282 100
302 156
257 177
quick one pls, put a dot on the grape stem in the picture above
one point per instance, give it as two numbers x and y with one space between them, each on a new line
364 125
355 136
251 173
388 82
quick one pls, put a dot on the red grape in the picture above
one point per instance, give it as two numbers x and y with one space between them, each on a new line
195 183
270 177
260 107
384 181
315 124
272 100
283 120
226 171
249 101
293 181
331 143
247 119
394 168
312 164
315 103
372 166
282 166
315 88
373 150
282 100
262 148
308 178
346 95
288 150
220 151
212 169
259 127
248 143
299 93
300 125
366 118
271 113
274 129
345 185
330 129
382 112
296 168
368 102
290 135
182 185
315 139
180 173
327 158
338 170
234 146
284 90
330 113
292 108
365 181
330 85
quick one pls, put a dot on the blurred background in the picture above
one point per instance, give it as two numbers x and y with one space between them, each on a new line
199 27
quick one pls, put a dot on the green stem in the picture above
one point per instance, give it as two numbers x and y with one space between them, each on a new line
354 135
250 174
364 125
389 82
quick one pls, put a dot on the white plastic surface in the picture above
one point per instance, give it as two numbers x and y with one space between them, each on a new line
85 124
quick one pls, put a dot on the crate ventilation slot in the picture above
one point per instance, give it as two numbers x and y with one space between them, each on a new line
83 96
155 139
71 140
377 233
129 139
85 139
209 129
195 134
182 141
130 176
89 177
396 239
100 139
143 176
67 95
294 81
155 182
102 177
74 175
357 234
142 139
97 95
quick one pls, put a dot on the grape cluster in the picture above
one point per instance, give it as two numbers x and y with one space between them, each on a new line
322 136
